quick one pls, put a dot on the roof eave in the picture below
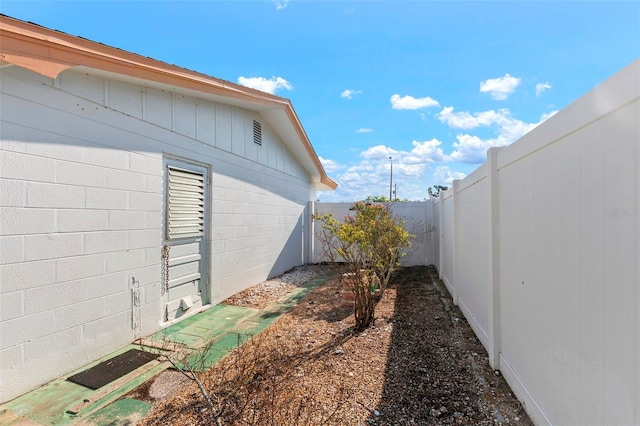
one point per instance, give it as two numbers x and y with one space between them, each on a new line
49 52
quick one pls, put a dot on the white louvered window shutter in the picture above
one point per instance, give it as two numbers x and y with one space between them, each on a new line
185 206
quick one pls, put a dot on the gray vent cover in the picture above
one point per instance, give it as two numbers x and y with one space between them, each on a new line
257 132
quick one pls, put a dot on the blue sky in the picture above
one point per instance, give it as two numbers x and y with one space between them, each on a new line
431 84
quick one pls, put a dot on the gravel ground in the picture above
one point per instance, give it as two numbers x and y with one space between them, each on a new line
420 364
264 293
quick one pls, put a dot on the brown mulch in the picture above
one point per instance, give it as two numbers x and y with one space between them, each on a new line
420 364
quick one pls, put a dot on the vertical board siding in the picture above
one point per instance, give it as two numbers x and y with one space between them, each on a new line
238 133
81 209
126 98
157 107
206 122
224 136
184 113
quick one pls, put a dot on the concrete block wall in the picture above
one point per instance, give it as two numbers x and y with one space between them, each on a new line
81 212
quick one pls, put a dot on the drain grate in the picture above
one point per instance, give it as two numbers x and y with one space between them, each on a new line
112 369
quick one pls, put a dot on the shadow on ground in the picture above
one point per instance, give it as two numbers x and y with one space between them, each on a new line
323 307
437 371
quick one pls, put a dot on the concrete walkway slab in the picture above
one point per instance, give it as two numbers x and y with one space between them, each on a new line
125 411
214 332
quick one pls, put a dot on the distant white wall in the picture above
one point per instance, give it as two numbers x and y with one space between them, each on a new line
541 250
81 207
416 215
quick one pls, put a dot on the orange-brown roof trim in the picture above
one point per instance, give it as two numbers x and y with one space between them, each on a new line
49 52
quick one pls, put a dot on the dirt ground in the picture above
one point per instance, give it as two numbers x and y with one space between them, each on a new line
420 364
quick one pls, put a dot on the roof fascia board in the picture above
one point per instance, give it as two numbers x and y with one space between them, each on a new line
50 55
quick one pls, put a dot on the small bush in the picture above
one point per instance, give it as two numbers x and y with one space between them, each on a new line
369 245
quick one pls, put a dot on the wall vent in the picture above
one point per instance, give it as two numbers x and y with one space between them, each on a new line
185 204
257 132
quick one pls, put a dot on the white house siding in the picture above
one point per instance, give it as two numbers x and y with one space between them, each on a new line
81 212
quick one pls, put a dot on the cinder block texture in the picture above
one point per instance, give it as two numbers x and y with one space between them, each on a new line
82 212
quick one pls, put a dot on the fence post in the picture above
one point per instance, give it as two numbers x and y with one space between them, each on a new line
494 258
440 235
456 232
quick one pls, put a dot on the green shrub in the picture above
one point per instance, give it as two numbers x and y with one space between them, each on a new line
369 244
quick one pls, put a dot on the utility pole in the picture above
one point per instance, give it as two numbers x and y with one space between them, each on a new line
391 179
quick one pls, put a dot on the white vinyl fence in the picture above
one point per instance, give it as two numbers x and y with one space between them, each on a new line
419 220
540 249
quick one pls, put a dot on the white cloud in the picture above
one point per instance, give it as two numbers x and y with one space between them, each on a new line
378 152
500 88
514 129
424 152
409 102
541 87
370 175
330 165
364 130
443 175
281 4
373 173
350 93
466 120
547 115
363 179
472 149
425 163
270 85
